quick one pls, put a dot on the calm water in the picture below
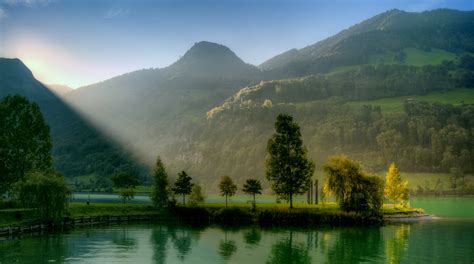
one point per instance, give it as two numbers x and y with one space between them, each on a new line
447 240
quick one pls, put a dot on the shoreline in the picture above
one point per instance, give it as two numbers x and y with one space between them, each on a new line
82 215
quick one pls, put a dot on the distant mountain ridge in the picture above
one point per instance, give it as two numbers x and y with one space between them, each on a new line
386 33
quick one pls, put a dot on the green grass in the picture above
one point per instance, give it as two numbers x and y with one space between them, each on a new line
415 57
395 104
96 209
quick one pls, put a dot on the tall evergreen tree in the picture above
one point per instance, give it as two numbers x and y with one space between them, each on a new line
395 188
160 192
288 168
25 141
183 185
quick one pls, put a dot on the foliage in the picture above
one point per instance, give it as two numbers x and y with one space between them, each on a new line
354 190
253 187
160 190
395 188
227 187
196 195
47 192
25 142
288 168
126 181
183 185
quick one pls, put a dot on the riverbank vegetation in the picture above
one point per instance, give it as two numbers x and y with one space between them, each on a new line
35 187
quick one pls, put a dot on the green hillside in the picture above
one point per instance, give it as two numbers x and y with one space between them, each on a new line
395 104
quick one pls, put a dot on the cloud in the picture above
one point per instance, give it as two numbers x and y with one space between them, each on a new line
3 14
116 12
28 3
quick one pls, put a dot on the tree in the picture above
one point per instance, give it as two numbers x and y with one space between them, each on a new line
288 168
183 185
395 188
253 187
25 141
354 190
160 190
126 181
227 187
45 191
196 195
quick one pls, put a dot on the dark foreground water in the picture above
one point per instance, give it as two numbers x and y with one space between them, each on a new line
446 240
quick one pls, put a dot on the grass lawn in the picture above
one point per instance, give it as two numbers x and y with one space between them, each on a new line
395 104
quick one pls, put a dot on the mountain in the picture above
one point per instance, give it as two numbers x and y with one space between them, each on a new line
390 37
78 147
162 102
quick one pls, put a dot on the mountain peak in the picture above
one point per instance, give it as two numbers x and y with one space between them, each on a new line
207 58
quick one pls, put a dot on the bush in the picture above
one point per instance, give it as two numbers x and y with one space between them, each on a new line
232 216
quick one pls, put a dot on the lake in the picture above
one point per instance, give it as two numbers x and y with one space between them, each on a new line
449 239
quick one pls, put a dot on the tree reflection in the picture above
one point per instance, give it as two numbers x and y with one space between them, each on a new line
123 240
159 239
287 251
355 245
252 236
397 243
227 247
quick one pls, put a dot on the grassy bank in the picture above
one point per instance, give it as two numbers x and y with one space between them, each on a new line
234 214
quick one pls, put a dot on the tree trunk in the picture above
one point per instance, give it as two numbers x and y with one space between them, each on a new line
254 200
226 200
184 201
291 200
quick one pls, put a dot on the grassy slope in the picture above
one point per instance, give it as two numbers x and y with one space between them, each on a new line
395 104
415 57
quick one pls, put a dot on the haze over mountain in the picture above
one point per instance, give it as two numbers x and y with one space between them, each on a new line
78 148
211 114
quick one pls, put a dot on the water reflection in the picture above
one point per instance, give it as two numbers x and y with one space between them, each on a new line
287 251
443 241
356 245
396 242
227 247
252 237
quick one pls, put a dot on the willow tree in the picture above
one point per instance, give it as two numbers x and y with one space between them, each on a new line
288 168
395 188
45 191
353 189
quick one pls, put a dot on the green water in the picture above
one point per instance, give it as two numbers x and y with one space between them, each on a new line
449 239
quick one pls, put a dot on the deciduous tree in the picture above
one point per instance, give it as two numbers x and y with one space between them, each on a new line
183 185
227 187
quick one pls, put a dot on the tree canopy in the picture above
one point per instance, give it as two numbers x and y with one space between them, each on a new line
354 189
395 188
47 192
126 181
227 187
25 142
288 168
253 187
183 185
160 189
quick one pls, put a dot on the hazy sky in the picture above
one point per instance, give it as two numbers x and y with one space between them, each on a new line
82 42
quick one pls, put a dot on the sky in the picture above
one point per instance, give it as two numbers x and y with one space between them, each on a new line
80 42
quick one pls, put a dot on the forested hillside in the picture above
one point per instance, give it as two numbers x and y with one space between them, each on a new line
392 36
